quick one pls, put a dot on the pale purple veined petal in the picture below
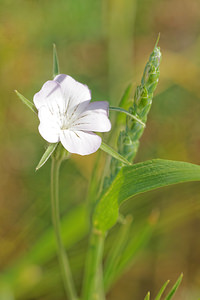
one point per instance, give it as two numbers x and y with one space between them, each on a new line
51 96
74 93
80 142
99 106
50 119
95 118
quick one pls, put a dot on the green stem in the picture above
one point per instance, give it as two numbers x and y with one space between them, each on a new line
92 288
64 263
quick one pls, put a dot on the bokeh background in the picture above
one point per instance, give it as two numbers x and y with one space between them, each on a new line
105 44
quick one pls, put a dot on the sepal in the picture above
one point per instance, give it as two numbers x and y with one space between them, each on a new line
49 151
27 102
56 68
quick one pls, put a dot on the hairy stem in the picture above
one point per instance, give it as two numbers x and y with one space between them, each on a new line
63 260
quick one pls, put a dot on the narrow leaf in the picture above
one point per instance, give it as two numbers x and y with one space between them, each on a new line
147 296
174 288
26 102
140 178
162 290
119 109
46 155
114 154
56 68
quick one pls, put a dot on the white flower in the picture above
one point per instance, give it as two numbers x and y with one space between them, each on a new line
66 115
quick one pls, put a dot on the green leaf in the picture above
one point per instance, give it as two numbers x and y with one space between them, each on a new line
162 290
50 149
140 178
147 296
56 69
119 109
174 288
27 102
114 154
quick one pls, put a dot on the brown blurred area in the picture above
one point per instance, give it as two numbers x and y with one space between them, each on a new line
104 44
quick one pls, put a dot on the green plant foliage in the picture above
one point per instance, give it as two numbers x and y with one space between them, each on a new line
114 154
159 295
56 68
170 294
147 296
128 141
139 178
122 110
125 103
174 288
50 149
27 102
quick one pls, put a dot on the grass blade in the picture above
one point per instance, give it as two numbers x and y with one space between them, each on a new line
147 296
174 288
162 290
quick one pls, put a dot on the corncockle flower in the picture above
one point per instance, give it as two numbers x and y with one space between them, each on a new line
66 115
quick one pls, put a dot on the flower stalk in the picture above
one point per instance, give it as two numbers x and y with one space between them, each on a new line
62 256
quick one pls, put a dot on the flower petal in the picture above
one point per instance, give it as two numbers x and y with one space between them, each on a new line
100 106
51 135
74 92
50 120
49 127
80 142
95 118
51 96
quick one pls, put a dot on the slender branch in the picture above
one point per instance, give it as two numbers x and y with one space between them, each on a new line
64 263
92 288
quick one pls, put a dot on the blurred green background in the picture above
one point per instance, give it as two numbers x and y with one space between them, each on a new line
105 44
